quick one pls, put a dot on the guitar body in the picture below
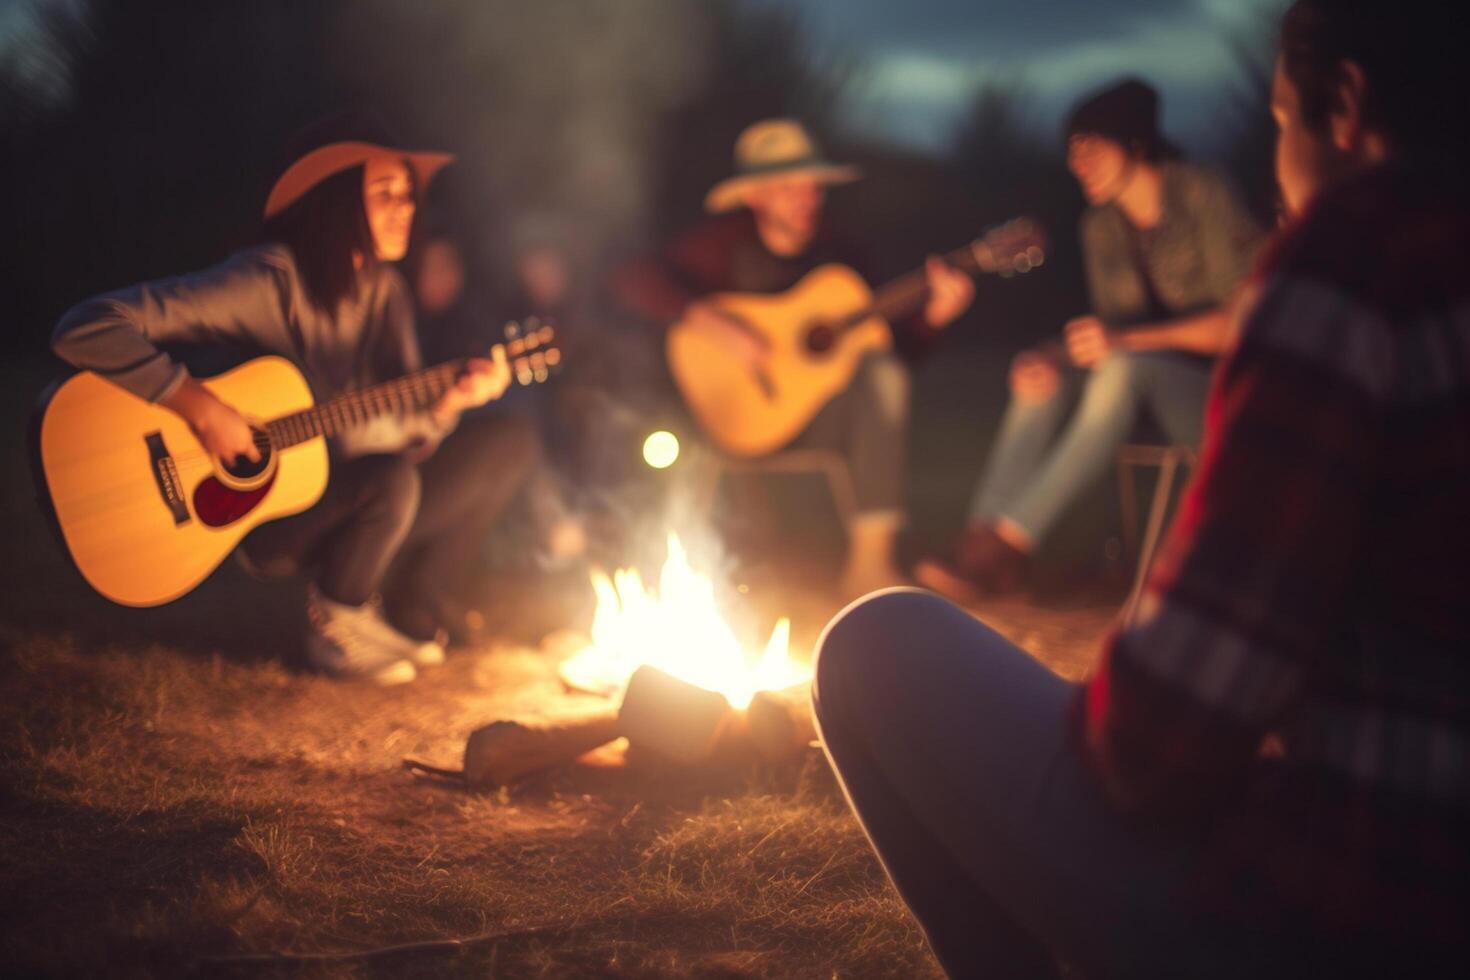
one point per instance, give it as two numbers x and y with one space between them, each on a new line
746 415
146 513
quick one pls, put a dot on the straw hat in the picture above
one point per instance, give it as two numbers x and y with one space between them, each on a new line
336 144
774 148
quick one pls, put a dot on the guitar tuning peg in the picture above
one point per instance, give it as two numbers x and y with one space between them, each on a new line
553 356
512 330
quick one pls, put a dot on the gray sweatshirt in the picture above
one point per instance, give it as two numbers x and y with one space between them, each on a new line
254 302
1197 255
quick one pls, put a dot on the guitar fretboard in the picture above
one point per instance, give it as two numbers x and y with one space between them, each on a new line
411 393
904 295
1014 247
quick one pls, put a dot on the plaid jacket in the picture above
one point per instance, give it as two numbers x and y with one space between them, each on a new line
1295 684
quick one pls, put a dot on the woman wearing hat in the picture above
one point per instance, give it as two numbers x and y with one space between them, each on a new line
321 291
1166 246
770 234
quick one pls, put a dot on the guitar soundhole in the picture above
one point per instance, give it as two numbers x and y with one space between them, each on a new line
820 338
217 505
243 468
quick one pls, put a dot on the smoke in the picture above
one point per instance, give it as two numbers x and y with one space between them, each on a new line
553 106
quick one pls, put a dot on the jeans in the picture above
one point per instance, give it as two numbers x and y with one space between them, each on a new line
1030 481
956 752
868 422
425 521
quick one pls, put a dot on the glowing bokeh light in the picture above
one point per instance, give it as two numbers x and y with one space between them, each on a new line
661 449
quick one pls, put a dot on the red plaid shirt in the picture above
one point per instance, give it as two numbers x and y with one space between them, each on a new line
1295 683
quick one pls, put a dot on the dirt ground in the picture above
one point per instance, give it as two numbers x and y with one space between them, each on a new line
178 798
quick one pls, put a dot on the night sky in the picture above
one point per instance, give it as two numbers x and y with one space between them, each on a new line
923 57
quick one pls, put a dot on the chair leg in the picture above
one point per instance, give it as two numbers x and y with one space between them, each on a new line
1128 505
1159 509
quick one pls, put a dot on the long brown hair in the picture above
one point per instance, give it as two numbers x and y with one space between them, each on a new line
323 230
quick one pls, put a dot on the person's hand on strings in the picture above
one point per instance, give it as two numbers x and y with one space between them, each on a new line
220 429
482 379
950 292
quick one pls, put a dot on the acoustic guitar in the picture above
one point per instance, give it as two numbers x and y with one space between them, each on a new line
147 513
816 333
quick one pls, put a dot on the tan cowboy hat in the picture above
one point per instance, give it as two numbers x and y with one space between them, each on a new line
774 148
336 144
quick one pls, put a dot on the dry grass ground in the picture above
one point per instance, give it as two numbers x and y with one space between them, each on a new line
163 807
173 794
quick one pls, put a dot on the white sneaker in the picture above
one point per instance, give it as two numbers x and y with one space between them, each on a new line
343 641
421 653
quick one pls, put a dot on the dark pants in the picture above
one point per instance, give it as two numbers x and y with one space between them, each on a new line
955 750
424 521
868 423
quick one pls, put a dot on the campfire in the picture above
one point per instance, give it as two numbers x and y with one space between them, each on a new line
677 628
683 684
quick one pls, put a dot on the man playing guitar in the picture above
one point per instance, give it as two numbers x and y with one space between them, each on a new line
775 235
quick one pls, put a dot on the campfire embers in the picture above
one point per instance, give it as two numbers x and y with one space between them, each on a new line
660 715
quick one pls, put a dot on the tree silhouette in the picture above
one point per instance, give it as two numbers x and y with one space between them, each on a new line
1248 153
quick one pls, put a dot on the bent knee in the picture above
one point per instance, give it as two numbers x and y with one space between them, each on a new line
1114 377
1117 364
393 485
865 644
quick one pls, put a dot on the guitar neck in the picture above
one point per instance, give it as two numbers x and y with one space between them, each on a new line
528 355
902 296
411 393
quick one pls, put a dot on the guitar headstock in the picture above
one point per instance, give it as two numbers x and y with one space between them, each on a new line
1016 247
531 350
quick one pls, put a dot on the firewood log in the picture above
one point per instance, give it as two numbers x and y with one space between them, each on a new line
504 751
780 722
673 718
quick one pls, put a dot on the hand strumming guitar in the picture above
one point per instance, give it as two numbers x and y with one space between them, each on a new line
482 380
741 344
218 427
950 292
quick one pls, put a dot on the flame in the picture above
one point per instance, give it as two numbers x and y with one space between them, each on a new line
678 629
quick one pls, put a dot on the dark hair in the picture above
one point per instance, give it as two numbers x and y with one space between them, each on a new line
1415 82
323 230
1126 112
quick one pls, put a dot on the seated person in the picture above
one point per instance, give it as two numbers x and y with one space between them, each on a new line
1269 774
1166 245
777 234
409 495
